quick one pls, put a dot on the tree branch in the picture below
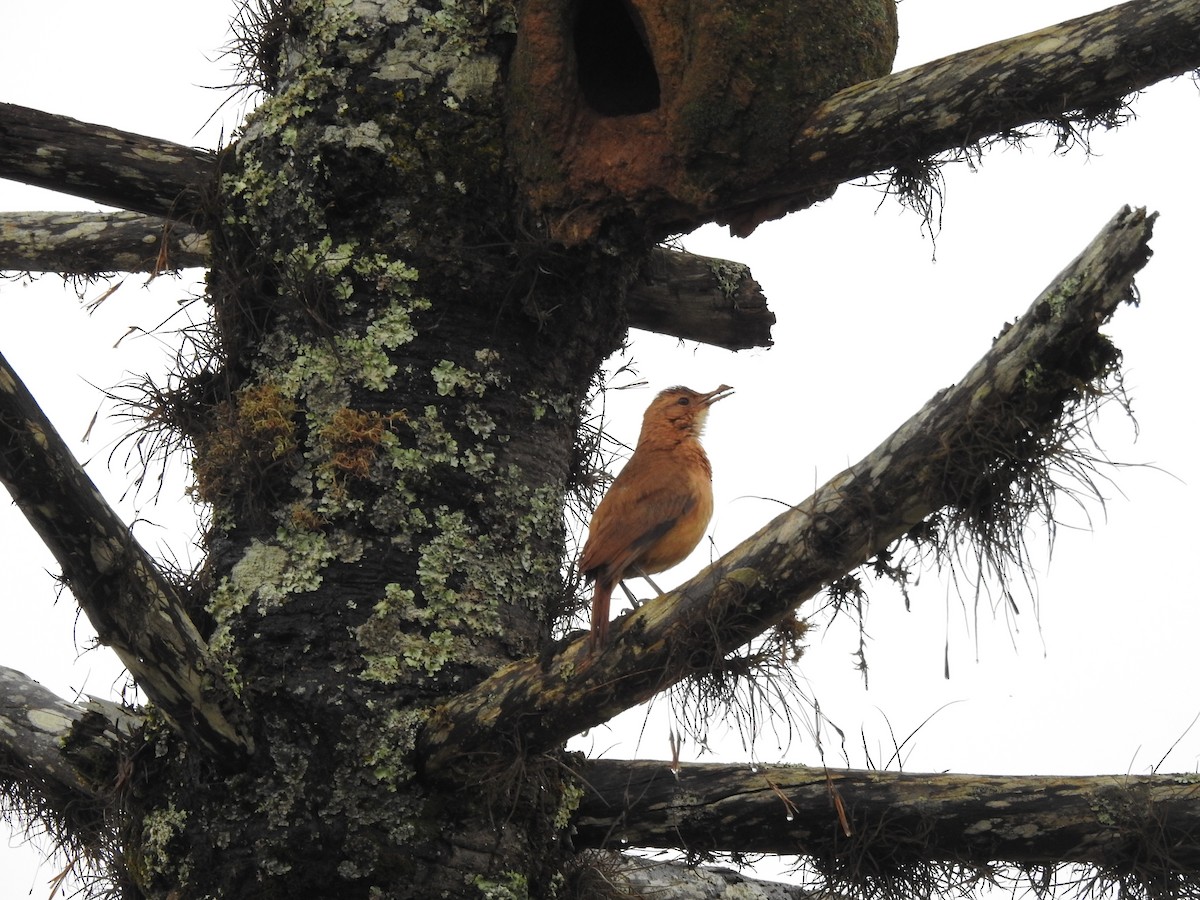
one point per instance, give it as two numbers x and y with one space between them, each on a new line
947 105
94 243
699 298
53 742
116 168
133 607
962 451
1104 820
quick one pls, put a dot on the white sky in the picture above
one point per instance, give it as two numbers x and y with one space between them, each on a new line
869 327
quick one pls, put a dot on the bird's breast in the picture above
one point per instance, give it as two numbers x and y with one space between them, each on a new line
691 481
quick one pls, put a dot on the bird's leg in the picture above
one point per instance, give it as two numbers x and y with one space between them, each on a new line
629 595
650 581
640 574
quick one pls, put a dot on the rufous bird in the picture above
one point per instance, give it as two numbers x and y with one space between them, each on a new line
658 507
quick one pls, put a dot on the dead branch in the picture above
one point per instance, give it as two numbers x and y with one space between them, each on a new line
960 451
95 243
603 874
1100 820
116 168
699 298
134 608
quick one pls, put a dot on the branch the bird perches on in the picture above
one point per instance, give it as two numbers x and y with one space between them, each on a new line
1036 375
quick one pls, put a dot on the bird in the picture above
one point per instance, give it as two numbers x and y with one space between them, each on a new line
658 507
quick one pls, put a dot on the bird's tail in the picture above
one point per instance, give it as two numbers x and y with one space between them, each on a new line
601 600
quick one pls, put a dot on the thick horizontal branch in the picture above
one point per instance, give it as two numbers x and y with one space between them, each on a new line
1108 821
956 451
1089 63
133 607
700 298
95 243
116 168
57 747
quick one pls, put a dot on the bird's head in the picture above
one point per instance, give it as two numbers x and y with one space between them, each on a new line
681 409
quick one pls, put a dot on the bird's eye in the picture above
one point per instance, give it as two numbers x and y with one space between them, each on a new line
683 401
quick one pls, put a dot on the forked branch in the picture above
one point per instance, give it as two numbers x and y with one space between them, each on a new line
961 451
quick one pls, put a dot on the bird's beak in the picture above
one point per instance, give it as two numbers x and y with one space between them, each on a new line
713 396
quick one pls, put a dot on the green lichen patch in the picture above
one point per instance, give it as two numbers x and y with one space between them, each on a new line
325 368
160 828
388 748
268 573
504 886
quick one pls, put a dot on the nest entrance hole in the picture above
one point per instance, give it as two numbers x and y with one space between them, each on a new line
613 62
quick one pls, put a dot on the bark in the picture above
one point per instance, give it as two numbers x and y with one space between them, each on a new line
135 610
961 451
899 121
713 301
1105 821
385 432
117 168
90 243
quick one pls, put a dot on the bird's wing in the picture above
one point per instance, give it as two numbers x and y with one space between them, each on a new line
615 541
668 509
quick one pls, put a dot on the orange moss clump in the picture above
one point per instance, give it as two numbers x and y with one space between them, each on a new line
352 437
254 433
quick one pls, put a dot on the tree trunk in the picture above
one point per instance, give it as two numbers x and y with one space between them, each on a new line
386 433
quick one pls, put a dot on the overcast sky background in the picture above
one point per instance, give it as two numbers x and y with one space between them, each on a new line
1097 672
